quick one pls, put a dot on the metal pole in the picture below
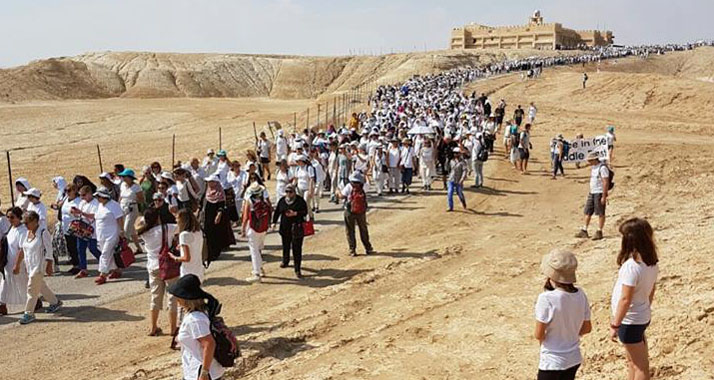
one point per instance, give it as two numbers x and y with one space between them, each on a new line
173 151
99 154
9 175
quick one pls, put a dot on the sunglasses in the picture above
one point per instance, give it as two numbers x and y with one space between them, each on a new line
289 192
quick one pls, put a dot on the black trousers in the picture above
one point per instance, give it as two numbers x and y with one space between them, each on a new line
566 374
360 221
72 249
294 243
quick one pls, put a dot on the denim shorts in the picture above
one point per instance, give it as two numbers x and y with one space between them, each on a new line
631 334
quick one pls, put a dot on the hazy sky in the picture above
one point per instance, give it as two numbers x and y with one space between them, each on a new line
32 29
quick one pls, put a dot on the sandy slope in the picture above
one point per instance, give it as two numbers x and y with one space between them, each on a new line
451 296
154 75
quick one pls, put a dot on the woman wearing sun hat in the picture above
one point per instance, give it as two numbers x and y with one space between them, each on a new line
256 220
562 315
194 335
130 195
109 220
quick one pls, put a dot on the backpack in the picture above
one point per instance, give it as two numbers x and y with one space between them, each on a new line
260 216
566 148
515 140
482 154
358 200
611 177
227 349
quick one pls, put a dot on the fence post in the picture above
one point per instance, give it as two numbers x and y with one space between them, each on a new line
294 121
9 175
173 151
318 115
220 138
334 111
307 119
99 154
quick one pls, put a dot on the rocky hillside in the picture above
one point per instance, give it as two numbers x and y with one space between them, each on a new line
151 75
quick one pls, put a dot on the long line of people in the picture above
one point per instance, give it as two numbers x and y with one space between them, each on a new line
425 127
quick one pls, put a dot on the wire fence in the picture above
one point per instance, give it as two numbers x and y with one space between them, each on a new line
40 161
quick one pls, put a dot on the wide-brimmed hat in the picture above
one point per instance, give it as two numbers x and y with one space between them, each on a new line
213 178
103 192
33 192
254 189
221 153
592 156
188 287
560 265
611 128
168 176
127 173
210 151
357 177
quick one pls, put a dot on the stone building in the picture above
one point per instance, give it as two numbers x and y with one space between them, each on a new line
535 35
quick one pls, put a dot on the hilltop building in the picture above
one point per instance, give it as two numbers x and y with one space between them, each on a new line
534 35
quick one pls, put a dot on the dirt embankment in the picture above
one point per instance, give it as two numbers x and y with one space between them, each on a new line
166 75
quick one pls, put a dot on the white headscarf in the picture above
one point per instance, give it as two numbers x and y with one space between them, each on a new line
61 186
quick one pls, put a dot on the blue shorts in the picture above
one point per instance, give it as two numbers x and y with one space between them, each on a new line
632 334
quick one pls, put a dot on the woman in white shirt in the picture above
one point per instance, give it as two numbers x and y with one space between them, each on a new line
283 177
130 197
305 180
109 221
393 161
21 186
13 287
194 335
237 178
190 240
427 163
633 294
36 253
155 235
562 316
71 201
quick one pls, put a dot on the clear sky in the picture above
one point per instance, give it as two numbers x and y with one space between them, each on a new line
32 29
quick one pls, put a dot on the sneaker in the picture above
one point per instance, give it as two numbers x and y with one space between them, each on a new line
27 318
253 279
82 274
54 308
283 265
353 253
583 234
598 235
370 252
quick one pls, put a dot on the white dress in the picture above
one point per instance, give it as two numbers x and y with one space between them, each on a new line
13 289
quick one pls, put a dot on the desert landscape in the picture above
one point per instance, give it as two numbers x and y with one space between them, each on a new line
448 296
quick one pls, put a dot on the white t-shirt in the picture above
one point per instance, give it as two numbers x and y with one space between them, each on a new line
67 216
564 314
41 210
281 147
195 325
194 242
597 173
407 157
426 155
642 278
128 194
393 157
264 148
153 240
106 220
90 208
37 251
303 175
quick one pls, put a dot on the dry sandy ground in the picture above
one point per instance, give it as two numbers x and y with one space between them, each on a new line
451 295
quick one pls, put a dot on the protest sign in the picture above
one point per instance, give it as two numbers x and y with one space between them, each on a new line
580 148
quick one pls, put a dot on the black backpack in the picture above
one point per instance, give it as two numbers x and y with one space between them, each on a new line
227 350
482 154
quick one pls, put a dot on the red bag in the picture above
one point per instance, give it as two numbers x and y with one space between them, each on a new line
308 228
168 267
358 200
123 255
260 216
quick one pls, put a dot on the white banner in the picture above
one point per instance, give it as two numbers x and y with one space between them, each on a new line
580 148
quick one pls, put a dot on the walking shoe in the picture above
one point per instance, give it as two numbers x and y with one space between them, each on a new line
598 235
3 309
283 265
253 279
115 274
100 280
353 253
27 318
298 274
54 308
370 251
262 272
82 274
583 234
